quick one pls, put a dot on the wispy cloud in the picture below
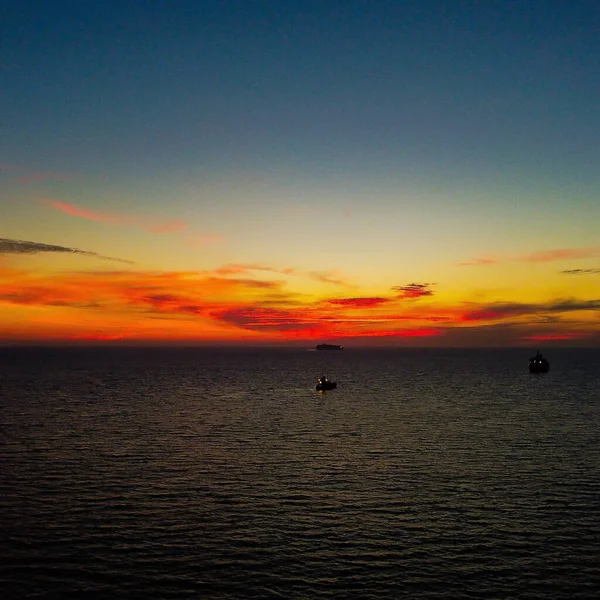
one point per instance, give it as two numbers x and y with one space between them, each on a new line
328 277
248 268
173 303
418 332
100 336
413 290
560 254
478 262
75 211
506 310
259 318
166 292
10 246
539 256
499 310
245 268
581 272
550 337
168 226
249 283
359 302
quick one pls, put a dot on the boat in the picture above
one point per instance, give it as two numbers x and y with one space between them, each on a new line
324 384
329 347
538 364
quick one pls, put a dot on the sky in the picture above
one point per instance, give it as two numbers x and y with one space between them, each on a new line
386 173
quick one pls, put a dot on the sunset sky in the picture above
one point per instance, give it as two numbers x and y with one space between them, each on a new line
410 173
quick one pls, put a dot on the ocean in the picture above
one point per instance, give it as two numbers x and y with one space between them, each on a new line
198 473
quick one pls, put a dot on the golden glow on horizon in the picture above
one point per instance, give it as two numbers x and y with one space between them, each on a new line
256 302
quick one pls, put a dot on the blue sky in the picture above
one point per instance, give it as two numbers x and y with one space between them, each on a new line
327 88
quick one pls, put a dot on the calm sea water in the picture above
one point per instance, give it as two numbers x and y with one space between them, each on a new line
190 473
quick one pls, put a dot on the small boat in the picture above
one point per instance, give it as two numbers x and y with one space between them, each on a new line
329 347
538 364
324 384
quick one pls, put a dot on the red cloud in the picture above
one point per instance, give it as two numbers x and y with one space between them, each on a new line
254 317
483 315
402 333
98 337
359 302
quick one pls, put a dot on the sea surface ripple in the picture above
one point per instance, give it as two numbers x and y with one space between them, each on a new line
197 473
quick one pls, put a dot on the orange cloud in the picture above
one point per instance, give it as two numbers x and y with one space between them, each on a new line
231 303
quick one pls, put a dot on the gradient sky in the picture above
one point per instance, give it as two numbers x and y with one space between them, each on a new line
371 172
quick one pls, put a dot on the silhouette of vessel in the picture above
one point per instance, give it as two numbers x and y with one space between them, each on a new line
329 347
323 384
538 364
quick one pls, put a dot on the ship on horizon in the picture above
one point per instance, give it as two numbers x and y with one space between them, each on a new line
329 347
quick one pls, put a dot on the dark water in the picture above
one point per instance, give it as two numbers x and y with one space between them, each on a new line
223 474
